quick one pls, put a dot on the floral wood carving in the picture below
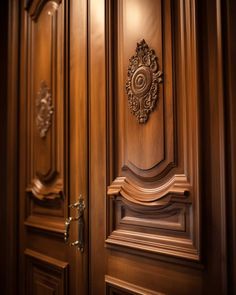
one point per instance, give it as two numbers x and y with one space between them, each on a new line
142 85
44 109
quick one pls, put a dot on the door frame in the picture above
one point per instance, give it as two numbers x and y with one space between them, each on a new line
11 210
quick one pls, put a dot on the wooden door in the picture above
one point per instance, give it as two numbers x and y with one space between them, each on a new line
53 146
157 199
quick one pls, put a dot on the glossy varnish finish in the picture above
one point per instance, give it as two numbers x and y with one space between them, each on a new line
50 137
123 102
164 188
154 170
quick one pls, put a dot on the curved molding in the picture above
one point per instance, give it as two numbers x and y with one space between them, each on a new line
35 7
40 191
149 174
177 186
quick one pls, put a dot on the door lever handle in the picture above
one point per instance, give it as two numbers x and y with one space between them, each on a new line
80 206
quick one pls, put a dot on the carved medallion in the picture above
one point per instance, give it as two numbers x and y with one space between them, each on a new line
44 109
142 85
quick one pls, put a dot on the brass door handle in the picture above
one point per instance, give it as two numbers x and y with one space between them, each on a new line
80 207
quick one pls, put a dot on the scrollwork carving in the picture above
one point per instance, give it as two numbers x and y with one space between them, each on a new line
142 85
44 109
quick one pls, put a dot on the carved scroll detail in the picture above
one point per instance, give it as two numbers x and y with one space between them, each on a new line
142 85
44 109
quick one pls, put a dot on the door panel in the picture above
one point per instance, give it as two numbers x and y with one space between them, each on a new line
46 179
52 172
154 131
147 125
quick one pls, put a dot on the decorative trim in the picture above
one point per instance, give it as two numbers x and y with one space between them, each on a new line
176 187
41 191
142 85
46 259
114 285
44 109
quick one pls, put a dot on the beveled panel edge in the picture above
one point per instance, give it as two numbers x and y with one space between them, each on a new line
183 248
59 264
159 224
53 271
45 224
117 284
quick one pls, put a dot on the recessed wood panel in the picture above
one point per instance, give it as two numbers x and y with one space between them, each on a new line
153 194
45 275
46 112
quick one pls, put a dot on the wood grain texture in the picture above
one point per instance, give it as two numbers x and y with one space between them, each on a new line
154 164
115 286
97 144
52 78
213 150
155 193
46 102
78 137
12 142
45 275
45 128
175 160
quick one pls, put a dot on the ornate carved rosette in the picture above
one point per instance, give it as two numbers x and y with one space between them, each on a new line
142 85
44 109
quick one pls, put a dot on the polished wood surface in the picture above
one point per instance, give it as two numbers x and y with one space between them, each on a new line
157 189
131 104
154 170
53 146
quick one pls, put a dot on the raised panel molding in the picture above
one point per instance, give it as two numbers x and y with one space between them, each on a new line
115 286
45 274
153 197
46 127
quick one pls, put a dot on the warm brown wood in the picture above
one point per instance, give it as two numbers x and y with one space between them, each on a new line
3 136
213 150
149 147
45 275
53 145
97 144
12 210
229 29
164 185
78 146
115 286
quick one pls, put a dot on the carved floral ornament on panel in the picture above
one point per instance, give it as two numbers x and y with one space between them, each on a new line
142 84
44 109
